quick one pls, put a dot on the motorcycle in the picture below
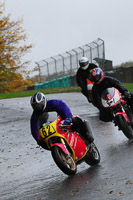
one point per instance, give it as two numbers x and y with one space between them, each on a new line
67 148
113 101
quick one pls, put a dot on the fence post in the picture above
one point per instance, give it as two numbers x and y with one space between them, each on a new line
76 56
39 70
103 48
82 50
70 59
55 64
63 64
97 49
47 67
90 51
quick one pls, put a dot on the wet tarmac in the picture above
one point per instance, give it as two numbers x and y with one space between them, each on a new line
29 173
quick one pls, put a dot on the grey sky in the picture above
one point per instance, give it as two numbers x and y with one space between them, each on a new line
57 26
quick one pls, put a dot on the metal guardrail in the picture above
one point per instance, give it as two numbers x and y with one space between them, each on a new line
125 75
67 63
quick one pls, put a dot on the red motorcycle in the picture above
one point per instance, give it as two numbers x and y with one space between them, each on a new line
115 104
67 148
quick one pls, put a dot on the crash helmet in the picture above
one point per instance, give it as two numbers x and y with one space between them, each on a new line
84 63
38 102
96 75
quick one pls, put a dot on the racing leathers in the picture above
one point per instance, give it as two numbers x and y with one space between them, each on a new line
52 105
98 89
82 77
64 112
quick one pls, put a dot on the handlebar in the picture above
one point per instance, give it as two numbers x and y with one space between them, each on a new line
63 125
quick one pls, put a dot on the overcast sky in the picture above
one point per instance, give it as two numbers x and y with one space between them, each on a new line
57 26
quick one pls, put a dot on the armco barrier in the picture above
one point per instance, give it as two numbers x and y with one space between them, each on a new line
56 83
125 75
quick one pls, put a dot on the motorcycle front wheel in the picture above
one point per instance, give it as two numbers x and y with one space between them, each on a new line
93 156
124 126
63 161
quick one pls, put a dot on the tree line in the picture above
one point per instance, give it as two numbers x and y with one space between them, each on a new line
13 47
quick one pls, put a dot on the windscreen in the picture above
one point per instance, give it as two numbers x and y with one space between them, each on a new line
108 93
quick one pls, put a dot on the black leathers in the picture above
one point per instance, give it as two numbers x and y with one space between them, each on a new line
107 82
81 77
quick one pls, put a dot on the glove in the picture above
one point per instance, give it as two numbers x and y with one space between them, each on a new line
127 95
67 121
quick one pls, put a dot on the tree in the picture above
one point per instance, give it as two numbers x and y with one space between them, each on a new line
12 50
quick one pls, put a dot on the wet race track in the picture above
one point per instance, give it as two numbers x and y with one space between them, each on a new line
29 173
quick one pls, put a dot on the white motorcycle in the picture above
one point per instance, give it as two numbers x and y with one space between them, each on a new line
114 103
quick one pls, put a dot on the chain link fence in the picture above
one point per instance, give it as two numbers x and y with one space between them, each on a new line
67 63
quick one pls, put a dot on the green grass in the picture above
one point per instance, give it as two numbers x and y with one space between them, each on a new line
129 86
45 91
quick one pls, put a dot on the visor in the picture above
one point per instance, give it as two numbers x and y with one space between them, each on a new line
37 106
84 66
97 78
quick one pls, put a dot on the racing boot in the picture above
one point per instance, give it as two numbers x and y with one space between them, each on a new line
83 128
88 133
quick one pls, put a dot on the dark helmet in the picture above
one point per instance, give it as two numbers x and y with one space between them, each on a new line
96 75
84 63
38 101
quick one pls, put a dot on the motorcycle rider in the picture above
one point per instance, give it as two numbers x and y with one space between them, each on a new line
102 82
82 77
41 106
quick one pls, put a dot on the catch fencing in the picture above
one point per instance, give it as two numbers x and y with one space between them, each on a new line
67 63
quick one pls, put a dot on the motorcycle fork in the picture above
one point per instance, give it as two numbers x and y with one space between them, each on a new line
63 146
68 154
129 114
123 113
63 142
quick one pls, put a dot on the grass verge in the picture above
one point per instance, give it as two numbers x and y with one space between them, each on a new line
129 87
45 91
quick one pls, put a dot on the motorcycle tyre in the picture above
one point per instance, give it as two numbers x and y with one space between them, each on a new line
93 156
58 156
126 129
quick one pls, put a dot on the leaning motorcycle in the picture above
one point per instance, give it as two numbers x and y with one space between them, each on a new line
113 101
68 149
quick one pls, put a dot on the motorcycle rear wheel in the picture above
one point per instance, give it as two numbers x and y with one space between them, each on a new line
63 161
93 156
126 128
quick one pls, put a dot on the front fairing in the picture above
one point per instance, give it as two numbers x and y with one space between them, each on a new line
74 141
111 97
49 132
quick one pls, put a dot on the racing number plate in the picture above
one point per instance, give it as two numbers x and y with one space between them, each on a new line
46 131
